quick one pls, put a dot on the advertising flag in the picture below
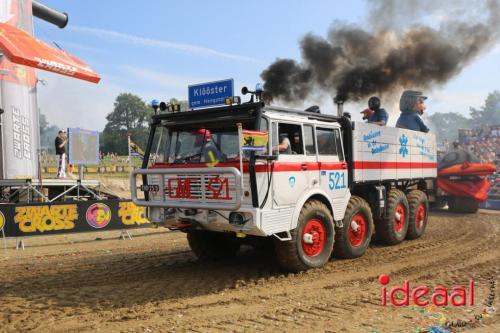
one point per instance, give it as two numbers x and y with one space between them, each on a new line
254 140
136 151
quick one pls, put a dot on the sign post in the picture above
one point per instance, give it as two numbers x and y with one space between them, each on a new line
240 139
4 240
210 93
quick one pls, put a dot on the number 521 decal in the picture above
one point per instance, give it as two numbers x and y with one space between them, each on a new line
336 180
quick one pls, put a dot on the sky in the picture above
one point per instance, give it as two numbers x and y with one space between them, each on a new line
155 49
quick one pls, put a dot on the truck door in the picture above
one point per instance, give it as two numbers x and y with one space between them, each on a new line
333 168
291 170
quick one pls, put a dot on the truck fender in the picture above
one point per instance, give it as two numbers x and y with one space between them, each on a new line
304 198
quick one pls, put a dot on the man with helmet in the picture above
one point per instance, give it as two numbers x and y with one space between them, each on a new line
375 114
209 151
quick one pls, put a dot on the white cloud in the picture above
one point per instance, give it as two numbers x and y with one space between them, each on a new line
171 82
185 48
65 45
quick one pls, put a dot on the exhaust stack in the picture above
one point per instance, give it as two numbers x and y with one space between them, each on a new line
340 106
48 14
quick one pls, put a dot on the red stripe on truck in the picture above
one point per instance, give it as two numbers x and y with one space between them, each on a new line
394 165
277 166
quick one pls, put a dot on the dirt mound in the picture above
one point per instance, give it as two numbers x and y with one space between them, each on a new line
153 283
119 186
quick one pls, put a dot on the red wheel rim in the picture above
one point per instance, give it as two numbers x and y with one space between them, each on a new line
357 230
313 237
420 216
399 223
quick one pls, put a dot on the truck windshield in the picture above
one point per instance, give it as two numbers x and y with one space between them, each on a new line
202 146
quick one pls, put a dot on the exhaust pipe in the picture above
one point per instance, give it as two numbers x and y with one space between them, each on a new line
340 106
49 15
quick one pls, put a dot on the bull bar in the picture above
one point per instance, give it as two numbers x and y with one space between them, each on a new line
199 203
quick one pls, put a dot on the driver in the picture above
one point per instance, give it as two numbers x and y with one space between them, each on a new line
209 151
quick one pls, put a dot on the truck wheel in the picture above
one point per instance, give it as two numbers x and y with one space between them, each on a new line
353 239
208 245
419 208
392 228
312 241
463 205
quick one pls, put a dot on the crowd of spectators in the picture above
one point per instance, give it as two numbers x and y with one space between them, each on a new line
485 144
482 142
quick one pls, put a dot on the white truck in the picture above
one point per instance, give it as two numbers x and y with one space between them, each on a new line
337 185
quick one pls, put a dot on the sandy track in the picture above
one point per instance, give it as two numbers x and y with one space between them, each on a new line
154 284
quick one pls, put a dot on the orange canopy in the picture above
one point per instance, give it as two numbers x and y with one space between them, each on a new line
22 48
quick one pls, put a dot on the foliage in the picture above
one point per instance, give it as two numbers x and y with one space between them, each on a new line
446 125
130 115
489 114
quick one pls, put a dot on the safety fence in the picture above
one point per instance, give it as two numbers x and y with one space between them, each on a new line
92 169
491 204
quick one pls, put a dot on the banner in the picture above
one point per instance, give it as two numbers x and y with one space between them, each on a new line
69 217
24 49
254 140
20 129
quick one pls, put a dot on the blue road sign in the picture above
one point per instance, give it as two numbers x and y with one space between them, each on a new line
210 93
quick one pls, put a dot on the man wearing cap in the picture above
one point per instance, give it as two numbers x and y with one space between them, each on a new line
375 114
209 152
60 142
412 106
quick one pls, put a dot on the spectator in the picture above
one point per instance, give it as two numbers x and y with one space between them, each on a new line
60 143
375 114
412 106
285 146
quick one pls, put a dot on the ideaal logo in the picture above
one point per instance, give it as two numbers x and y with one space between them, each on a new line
46 218
131 214
98 215
438 296
2 220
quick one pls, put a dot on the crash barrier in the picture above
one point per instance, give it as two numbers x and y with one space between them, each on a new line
21 220
490 204
93 169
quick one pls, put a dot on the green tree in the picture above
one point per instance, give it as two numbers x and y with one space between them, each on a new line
446 125
130 115
489 114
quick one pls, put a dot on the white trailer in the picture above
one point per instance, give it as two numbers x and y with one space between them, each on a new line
339 184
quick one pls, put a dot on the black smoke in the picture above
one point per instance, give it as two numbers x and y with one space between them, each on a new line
352 62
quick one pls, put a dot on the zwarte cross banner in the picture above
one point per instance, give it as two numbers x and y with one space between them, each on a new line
68 217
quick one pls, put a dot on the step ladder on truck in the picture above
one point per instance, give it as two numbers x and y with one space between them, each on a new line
337 185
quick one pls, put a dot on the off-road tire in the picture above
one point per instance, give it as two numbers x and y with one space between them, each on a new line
385 228
463 205
292 256
419 213
208 245
352 240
